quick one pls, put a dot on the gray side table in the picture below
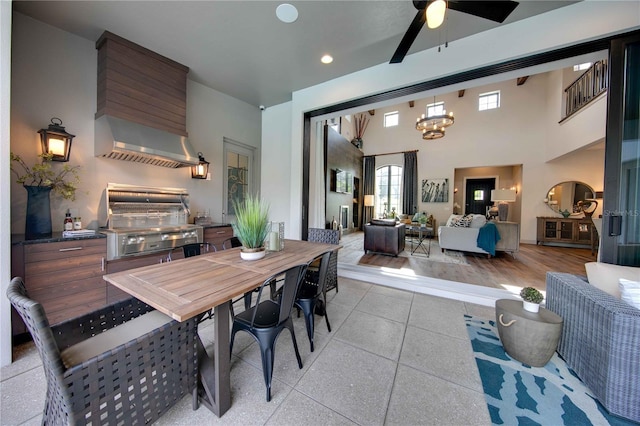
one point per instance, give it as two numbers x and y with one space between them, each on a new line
529 337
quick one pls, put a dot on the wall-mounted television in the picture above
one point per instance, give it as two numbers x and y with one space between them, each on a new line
341 181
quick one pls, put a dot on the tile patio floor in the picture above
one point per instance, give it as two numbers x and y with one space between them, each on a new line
393 357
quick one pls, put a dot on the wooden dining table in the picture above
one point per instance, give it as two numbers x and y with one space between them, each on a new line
188 287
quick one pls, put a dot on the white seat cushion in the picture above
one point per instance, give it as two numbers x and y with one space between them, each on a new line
113 338
606 276
630 292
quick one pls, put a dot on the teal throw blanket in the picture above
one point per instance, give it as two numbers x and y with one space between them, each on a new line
488 236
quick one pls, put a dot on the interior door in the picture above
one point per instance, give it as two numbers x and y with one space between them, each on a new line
621 212
478 195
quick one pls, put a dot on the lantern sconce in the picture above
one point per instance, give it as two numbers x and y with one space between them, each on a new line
56 141
200 170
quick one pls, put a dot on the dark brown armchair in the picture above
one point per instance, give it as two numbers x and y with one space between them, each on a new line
384 236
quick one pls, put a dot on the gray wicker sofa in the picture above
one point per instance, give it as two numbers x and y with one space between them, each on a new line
600 341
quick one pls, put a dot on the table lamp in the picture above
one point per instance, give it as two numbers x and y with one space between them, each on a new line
503 197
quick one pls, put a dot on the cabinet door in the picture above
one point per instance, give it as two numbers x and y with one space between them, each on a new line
66 277
583 232
550 230
566 230
216 236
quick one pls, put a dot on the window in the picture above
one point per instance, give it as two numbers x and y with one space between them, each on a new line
478 195
582 67
388 181
391 119
435 109
489 100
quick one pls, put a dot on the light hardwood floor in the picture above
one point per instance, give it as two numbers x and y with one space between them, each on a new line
528 268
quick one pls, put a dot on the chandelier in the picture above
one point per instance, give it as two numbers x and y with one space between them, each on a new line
432 127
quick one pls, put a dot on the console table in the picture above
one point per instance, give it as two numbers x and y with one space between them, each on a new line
569 231
509 237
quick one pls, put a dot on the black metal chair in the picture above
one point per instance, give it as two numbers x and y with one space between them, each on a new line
327 236
232 242
189 250
312 295
126 363
267 318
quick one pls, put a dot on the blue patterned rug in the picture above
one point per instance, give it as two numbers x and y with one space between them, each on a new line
518 394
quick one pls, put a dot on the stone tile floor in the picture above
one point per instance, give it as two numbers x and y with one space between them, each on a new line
393 357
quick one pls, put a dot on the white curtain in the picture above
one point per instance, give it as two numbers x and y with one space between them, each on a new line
317 185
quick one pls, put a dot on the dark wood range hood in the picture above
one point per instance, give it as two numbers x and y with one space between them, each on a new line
141 111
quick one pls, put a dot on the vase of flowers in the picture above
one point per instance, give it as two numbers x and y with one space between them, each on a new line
251 226
40 181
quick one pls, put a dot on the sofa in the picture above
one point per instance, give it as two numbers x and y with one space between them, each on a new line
600 340
384 236
461 233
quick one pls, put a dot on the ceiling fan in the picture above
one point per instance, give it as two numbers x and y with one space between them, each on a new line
432 12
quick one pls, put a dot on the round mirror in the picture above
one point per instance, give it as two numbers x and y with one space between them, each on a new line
568 198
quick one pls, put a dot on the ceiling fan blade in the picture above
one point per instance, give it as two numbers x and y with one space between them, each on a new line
409 37
493 10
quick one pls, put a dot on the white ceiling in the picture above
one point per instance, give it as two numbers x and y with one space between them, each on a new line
240 47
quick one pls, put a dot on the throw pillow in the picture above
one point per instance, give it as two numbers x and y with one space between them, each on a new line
453 218
464 221
478 221
383 222
630 292
605 276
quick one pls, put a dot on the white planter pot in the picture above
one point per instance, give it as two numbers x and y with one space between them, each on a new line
252 254
531 307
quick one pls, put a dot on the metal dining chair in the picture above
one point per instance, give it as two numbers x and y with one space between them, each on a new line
267 318
327 236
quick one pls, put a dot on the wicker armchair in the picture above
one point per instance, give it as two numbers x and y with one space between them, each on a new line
600 341
327 236
91 381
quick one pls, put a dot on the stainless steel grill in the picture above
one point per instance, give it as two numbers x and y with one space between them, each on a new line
143 220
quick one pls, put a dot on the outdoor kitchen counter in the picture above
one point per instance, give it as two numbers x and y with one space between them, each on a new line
56 237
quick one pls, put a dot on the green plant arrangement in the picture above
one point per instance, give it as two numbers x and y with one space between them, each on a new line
252 222
63 182
531 295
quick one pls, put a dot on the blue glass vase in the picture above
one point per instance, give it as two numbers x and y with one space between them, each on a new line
38 224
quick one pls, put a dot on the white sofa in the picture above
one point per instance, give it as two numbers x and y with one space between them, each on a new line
461 238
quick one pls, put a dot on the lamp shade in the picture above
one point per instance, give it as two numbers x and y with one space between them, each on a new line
200 170
507 195
368 200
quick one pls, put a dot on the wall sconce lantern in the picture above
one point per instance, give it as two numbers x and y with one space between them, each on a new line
56 141
200 170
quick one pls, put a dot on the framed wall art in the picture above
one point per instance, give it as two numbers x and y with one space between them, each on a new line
435 190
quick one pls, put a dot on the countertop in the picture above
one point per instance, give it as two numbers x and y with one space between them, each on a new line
215 225
56 237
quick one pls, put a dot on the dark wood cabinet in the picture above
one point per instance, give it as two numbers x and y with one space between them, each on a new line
65 277
216 235
571 231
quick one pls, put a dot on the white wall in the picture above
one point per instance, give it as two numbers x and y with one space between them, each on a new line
276 179
571 24
5 195
68 91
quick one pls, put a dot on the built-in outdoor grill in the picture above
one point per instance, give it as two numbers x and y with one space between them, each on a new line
143 220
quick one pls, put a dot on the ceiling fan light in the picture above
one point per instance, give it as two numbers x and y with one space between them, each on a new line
435 13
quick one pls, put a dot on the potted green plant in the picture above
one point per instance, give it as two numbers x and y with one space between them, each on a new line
251 226
531 299
40 180
422 219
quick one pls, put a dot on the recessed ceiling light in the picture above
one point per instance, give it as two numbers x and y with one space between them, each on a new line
326 59
287 13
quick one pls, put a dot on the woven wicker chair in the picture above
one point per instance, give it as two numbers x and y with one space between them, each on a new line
327 236
600 341
134 382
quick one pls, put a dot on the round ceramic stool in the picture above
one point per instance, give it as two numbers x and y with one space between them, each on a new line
528 337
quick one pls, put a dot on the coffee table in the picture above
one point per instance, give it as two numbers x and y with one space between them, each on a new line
418 234
528 337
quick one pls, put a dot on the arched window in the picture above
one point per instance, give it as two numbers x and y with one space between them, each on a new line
388 190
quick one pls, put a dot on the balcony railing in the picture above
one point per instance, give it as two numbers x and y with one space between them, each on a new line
586 88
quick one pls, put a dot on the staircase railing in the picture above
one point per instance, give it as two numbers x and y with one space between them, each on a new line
586 88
